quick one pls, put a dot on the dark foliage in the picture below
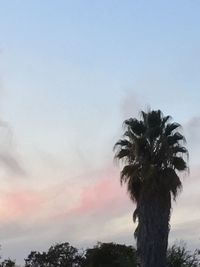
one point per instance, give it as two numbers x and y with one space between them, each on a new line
110 255
151 148
7 263
59 255
179 256
102 255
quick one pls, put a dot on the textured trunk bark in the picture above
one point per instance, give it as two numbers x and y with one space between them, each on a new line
153 229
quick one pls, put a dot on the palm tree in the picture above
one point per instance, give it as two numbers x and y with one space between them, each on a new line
152 153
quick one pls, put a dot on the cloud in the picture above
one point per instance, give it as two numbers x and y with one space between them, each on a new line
8 158
99 194
10 162
106 194
19 204
100 200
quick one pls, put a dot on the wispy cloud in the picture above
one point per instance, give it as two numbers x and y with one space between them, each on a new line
102 196
8 157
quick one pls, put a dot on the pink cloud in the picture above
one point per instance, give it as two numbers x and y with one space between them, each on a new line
104 195
19 203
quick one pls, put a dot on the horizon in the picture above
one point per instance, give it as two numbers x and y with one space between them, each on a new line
70 74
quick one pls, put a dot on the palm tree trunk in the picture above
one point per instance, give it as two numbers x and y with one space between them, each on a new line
153 229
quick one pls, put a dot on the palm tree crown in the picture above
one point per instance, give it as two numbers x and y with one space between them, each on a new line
152 151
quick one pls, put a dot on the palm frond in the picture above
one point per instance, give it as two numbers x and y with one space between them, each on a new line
154 132
179 149
179 163
141 146
129 135
123 153
130 171
175 138
134 187
144 116
170 127
154 118
123 143
171 181
136 126
165 120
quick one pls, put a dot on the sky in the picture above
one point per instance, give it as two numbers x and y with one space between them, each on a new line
70 73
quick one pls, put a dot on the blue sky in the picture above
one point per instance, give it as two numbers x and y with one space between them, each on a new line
70 73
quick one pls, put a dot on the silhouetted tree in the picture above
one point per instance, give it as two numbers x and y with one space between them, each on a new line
179 256
152 153
7 263
36 259
59 255
110 255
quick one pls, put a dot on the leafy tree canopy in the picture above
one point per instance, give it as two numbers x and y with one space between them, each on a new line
7 263
102 255
110 255
59 255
